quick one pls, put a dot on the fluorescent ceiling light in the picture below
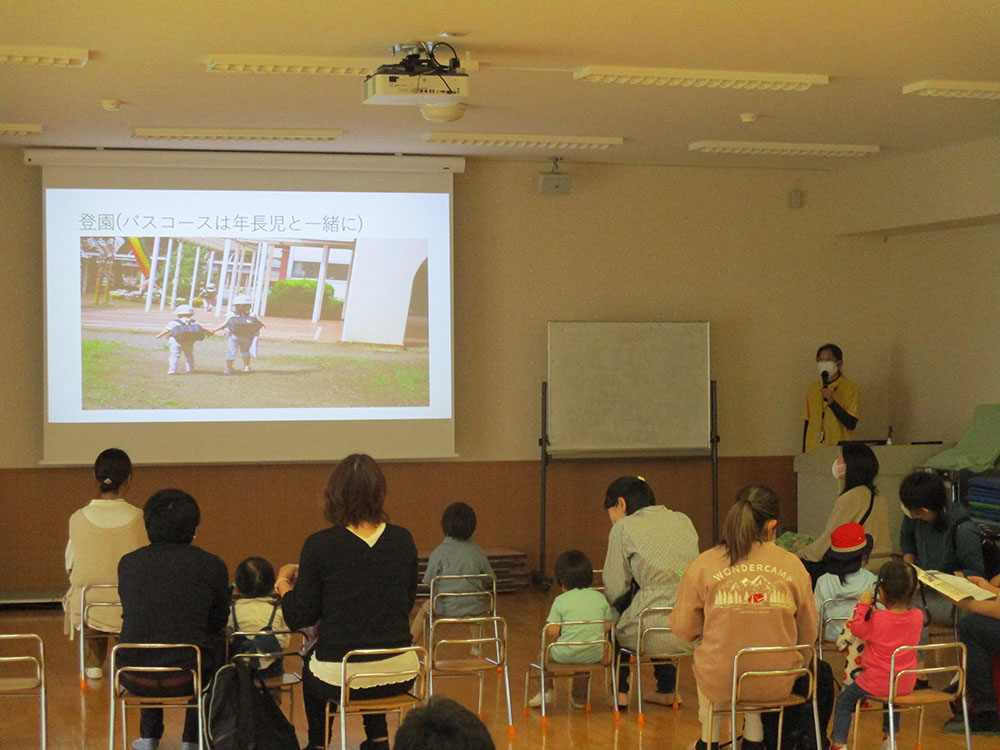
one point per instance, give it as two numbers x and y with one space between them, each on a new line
781 149
331 66
513 140
955 89
14 128
723 79
235 134
60 57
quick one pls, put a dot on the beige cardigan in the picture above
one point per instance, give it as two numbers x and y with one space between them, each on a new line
96 552
850 507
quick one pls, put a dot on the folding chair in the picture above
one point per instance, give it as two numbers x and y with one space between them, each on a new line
546 667
488 595
287 680
393 704
112 611
598 584
30 685
739 704
918 699
121 696
646 654
825 619
443 648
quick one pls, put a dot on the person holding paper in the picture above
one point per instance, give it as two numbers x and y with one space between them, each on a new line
979 630
831 409
936 535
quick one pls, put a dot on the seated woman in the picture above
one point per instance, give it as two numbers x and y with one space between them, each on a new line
979 630
171 592
358 579
648 548
99 534
743 593
937 535
859 502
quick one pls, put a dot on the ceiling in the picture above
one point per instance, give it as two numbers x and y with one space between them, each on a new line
151 55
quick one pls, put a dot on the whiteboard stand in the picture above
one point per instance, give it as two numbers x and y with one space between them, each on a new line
713 395
539 576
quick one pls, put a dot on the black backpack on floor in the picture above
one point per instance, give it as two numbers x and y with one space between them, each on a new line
798 730
240 713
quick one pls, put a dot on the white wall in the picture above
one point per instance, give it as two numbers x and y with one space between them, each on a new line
916 316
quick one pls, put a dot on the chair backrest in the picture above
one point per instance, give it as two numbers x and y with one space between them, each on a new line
418 672
598 584
492 633
825 618
806 653
648 624
33 659
604 641
958 669
118 669
483 585
89 607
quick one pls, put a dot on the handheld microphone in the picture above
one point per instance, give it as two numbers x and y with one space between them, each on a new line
826 378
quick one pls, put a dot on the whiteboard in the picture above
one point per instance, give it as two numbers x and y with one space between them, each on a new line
629 389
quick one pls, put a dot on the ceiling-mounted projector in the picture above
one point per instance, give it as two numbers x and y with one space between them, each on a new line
419 79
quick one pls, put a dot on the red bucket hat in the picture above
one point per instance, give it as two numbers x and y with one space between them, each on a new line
850 540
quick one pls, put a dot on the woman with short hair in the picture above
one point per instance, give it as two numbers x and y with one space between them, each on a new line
358 580
648 549
171 592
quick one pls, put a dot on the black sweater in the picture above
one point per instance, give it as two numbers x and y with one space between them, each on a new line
361 595
174 593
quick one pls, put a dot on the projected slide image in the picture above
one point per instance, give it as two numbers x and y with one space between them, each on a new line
227 322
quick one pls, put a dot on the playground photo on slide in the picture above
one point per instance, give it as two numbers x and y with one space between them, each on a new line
196 322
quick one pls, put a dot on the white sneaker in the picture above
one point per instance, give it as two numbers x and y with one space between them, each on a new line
246 368
577 702
536 700
145 743
94 673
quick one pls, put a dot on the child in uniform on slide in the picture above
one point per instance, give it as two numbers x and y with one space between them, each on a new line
243 333
184 332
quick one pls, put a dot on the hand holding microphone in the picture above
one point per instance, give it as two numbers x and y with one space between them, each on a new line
826 392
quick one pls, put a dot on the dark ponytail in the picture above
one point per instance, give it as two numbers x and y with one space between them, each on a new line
111 469
755 505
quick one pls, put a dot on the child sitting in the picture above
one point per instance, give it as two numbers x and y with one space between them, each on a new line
846 577
455 556
576 603
184 333
257 610
883 631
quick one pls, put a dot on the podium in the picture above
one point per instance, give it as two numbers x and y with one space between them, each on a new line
817 490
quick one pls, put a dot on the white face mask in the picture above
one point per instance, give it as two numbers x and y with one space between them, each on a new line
839 468
906 511
830 368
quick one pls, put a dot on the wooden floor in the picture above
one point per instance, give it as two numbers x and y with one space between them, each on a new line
80 720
